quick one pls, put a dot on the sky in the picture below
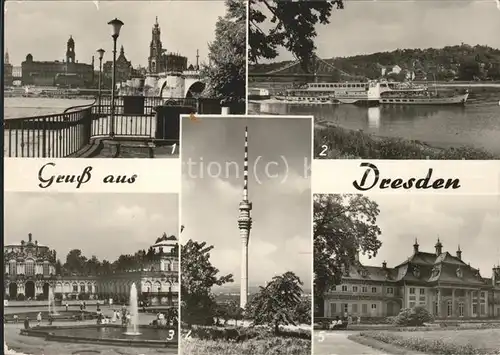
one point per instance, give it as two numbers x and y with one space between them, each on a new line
281 234
365 27
104 225
468 220
185 27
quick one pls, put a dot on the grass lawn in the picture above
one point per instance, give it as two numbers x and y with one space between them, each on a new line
443 342
478 338
268 346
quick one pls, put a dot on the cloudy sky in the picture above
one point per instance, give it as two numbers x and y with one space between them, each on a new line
105 225
471 221
280 239
185 26
375 26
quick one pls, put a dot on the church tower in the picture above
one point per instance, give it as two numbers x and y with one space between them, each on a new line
70 50
155 50
7 59
244 224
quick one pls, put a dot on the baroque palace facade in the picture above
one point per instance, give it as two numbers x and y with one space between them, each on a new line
442 283
30 271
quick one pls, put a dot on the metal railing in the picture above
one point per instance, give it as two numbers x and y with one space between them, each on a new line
62 135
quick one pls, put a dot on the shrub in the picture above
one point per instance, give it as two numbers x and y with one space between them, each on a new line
20 297
58 296
40 297
413 317
347 144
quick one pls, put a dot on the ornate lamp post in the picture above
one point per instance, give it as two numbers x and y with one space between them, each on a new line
116 25
100 51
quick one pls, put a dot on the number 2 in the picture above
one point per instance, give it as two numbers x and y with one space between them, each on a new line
324 148
171 334
173 148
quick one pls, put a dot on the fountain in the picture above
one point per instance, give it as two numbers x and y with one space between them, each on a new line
52 304
134 312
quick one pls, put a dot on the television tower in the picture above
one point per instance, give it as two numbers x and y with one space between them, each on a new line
244 224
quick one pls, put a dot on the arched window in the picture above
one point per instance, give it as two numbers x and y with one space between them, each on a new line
46 268
461 309
30 267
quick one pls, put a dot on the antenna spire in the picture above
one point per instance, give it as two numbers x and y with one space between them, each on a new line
245 168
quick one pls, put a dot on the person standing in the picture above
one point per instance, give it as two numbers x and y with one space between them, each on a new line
67 306
39 318
27 323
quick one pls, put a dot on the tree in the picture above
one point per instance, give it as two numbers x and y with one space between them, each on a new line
75 262
293 27
226 72
198 276
343 225
469 70
413 317
277 302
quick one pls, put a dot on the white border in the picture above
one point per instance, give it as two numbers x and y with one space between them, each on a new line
477 177
153 175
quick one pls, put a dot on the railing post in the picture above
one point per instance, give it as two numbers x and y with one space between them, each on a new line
44 138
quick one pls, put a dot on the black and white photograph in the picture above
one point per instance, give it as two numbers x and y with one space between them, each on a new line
246 240
109 79
91 273
394 275
383 79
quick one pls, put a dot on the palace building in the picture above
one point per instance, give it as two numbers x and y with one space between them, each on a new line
443 283
68 73
30 273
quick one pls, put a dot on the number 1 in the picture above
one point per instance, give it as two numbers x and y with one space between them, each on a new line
173 148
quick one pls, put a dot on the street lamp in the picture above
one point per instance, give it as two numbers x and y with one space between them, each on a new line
116 26
100 51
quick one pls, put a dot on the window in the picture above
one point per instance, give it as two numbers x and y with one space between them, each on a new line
474 308
364 289
483 294
374 289
412 290
483 309
460 309
374 306
422 291
390 290
346 308
364 308
75 288
344 288
46 269
354 288
333 309
412 304
355 308
12 268
30 267
449 307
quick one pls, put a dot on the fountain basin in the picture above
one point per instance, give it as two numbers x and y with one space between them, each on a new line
149 336
60 316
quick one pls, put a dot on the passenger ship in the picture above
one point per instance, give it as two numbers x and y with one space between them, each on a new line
422 98
333 93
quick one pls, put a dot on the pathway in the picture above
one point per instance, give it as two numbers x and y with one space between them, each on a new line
336 343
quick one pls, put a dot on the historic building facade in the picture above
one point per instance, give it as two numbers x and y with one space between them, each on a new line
67 73
30 273
7 70
159 61
124 70
441 282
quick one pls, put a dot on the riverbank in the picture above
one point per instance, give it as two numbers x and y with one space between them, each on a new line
334 142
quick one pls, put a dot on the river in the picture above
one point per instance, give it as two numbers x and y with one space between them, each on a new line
18 107
477 124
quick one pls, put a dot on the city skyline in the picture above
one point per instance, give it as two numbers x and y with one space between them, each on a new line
365 27
473 222
135 36
280 238
104 225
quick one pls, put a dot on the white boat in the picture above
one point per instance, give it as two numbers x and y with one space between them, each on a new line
422 98
333 93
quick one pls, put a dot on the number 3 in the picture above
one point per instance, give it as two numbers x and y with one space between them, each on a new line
171 334
324 148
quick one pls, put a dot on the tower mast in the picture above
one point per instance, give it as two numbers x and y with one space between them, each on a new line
244 224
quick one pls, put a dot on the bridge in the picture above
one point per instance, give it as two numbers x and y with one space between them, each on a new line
319 69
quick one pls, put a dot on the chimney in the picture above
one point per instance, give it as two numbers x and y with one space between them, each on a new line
439 248
459 252
384 265
415 247
29 237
